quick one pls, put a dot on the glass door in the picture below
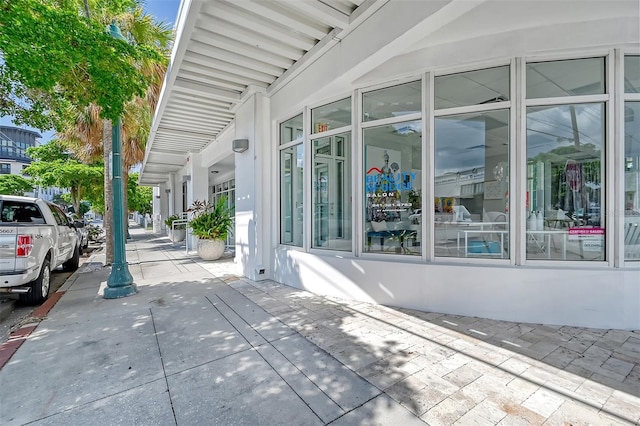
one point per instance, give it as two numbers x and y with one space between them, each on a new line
331 194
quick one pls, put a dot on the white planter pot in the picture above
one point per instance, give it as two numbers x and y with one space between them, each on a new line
210 249
177 235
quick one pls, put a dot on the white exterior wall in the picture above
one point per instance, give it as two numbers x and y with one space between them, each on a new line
583 294
254 189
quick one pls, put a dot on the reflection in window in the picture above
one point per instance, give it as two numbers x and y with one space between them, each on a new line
291 195
471 184
332 116
393 101
632 181
5 168
392 209
565 78
472 88
332 192
291 130
564 182
632 74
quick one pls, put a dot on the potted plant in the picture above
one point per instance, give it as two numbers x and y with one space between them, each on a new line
178 232
211 224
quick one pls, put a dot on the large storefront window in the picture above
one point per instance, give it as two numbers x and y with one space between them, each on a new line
565 194
471 185
332 192
632 181
471 178
632 161
394 101
565 162
392 174
226 189
292 182
479 87
291 192
331 116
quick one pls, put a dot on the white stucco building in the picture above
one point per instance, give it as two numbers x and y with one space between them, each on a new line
476 157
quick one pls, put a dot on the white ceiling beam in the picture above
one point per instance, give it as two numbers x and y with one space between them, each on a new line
318 50
343 6
193 116
255 23
218 26
201 100
202 124
203 40
283 16
234 57
322 12
184 132
184 144
210 78
183 106
196 127
198 62
185 86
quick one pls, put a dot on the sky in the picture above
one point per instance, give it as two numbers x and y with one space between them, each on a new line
163 10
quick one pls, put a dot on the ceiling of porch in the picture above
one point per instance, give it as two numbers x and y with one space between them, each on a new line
226 50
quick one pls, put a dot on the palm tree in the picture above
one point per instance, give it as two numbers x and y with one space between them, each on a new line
90 136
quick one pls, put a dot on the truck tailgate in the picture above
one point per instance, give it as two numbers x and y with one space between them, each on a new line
8 248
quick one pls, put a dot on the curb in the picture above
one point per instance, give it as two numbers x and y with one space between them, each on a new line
18 337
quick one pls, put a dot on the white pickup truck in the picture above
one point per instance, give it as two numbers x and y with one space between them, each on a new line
35 238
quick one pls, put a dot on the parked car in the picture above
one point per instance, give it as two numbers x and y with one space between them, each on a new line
35 238
81 230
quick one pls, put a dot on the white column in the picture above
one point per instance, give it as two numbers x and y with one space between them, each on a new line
172 187
165 198
156 213
197 187
199 180
254 189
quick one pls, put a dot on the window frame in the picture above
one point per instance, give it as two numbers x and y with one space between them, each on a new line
521 165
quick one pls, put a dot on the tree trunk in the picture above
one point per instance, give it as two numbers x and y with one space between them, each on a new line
125 183
76 197
108 193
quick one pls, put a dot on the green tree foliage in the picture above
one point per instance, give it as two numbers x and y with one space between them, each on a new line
54 57
14 185
140 197
52 166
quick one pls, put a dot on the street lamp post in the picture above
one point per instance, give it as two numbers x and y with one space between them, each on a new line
120 282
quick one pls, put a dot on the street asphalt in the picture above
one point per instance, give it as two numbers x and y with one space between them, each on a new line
201 345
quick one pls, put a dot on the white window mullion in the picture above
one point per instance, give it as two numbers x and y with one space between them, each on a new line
518 177
357 183
428 175
607 218
307 176
514 127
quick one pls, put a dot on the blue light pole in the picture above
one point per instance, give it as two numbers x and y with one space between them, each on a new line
120 282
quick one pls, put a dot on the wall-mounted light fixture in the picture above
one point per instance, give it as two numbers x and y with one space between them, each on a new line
186 178
215 172
168 191
240 145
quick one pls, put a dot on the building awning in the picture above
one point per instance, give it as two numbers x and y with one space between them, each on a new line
223 53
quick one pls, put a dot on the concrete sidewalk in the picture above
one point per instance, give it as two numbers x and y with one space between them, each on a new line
200 345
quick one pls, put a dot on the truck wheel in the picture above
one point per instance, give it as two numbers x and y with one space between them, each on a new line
73 263
39 287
